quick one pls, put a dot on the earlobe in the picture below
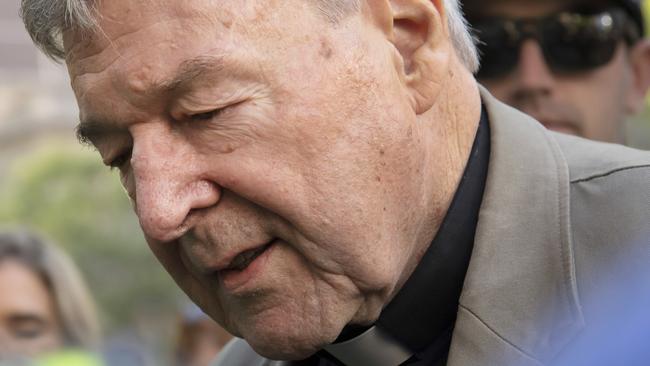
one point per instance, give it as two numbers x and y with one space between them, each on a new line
640 62
421 37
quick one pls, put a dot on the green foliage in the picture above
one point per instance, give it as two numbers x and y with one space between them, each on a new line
646 12
65 193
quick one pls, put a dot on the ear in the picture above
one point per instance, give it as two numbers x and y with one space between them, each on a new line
421 38
640 62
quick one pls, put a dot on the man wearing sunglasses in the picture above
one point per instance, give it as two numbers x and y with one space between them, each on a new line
577 66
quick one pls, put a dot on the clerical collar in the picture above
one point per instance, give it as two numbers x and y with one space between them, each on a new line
420 319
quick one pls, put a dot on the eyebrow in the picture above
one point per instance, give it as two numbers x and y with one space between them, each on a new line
89 130
188 71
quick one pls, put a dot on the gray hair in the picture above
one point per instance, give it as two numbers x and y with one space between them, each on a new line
74 305
464 42
46 20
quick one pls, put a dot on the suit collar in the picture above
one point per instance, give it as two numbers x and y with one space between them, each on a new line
520 286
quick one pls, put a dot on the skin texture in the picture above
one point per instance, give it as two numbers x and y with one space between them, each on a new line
29 325
341 144
592 104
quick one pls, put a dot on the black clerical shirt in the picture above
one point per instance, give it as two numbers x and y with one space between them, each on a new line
421 317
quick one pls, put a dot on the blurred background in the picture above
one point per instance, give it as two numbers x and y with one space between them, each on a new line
48 182
638 131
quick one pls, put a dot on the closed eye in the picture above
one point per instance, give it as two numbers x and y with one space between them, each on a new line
212 114
205 116
28 326
120 160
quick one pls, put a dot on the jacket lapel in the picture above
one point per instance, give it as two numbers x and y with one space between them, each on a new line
519 304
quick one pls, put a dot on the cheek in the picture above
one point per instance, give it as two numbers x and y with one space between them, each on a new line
356 217
605 87
201 292
600 99
53 340
47 341
349 194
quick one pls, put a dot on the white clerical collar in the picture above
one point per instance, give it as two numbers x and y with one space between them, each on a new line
373 347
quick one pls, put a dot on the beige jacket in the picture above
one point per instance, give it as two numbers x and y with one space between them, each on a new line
557 212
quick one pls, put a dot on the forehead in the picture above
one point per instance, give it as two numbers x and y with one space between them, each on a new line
127 27
142 43
23 291
122 22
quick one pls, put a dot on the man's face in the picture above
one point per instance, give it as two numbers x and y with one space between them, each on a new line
257 130
590 103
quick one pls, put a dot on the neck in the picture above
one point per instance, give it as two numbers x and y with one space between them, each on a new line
450 129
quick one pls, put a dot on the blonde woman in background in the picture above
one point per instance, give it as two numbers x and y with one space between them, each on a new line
45 306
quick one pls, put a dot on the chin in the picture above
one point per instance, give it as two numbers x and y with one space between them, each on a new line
283 352
284 347
288 340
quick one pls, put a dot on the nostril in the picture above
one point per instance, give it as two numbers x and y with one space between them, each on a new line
167 213
163 228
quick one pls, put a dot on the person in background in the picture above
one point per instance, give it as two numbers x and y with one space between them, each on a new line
44 305
577 66
200 339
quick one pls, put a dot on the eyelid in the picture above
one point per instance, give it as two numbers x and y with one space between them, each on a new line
186 112
119 161
112 147
207 115
29 326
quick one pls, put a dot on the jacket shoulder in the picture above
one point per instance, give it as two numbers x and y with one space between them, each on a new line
589 160
610 192
610 212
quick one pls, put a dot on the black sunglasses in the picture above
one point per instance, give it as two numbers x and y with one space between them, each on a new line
571 42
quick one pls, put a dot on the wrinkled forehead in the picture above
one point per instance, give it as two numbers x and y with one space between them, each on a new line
119 24
146 41
476 9
118 19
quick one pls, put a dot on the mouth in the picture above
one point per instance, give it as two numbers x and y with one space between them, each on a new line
244 259
244 268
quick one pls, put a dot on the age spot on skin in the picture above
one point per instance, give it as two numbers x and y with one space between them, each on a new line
227 23
325 49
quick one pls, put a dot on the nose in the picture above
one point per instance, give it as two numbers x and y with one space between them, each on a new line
168 183
533 78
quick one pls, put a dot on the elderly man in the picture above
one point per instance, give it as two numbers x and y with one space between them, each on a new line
324 178
577 66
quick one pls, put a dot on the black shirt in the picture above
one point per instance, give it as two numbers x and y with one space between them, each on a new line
421 317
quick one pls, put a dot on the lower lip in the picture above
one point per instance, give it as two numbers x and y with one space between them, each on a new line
236 281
